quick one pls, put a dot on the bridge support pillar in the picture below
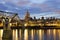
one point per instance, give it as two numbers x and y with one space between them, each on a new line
7 32
7 35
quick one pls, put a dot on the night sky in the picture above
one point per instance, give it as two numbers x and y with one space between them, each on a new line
38 8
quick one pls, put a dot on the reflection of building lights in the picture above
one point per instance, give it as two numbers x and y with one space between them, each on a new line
40 34
1 32
20 34
16 34
54 31
32 34
49 32
26 35
59 33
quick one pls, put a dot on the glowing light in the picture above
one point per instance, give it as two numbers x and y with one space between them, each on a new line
10 24
1 24
26 24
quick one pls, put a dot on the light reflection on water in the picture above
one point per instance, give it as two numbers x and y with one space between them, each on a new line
32 34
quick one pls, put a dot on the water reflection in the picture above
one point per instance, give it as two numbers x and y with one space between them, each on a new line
32 34
1 33
41 33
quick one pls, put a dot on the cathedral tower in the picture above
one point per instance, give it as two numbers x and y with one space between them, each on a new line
27 16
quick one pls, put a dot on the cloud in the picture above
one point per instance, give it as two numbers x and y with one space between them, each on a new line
18 2
37 1
23 3
47 14
34 6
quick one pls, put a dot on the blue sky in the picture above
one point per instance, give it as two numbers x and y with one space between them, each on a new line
38 8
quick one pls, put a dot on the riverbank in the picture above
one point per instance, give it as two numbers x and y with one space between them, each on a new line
34 27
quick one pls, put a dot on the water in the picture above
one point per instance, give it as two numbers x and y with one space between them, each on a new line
41 34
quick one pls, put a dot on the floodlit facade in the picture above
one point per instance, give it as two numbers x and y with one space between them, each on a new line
29 21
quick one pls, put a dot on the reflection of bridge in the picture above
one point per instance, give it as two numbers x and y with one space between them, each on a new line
18 23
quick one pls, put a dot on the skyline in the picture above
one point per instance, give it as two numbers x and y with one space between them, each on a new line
36 8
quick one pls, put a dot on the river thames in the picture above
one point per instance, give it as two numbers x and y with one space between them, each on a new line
33 34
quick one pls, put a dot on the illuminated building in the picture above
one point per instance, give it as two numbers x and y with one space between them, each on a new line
27 16
29 21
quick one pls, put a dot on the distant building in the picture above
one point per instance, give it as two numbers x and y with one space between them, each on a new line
27 16
42 18
29 21
34 18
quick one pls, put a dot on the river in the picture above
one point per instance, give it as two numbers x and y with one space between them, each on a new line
33 34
